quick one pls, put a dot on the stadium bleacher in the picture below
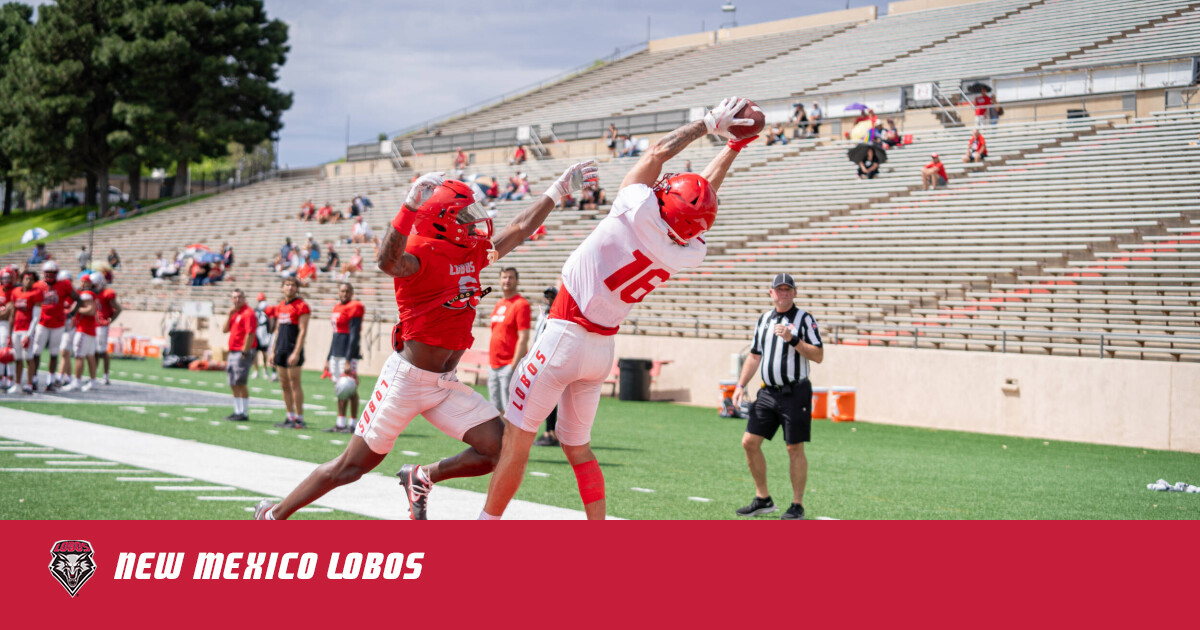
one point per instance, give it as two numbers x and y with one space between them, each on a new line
1072 229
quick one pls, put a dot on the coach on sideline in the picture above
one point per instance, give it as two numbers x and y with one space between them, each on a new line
788 338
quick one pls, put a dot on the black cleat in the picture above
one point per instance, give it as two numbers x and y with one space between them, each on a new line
286 424
545 440
416 490
757 507
794 513
237 417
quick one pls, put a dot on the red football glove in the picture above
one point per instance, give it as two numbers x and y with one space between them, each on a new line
738 145
326 374
25 342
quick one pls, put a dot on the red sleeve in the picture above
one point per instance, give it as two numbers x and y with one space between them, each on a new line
303 309
523 313
359 311
269 311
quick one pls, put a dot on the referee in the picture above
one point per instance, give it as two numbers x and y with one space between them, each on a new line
787 338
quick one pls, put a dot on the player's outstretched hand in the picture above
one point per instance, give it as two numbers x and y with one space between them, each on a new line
573 179
737 145
720 118
422 189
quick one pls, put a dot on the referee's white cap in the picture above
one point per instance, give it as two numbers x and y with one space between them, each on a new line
783 279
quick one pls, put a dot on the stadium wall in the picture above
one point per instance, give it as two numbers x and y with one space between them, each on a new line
859 14
908 6
1146 404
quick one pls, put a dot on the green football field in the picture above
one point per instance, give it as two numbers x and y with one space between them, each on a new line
660 461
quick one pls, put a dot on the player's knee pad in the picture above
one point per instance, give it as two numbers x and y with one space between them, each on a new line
591 481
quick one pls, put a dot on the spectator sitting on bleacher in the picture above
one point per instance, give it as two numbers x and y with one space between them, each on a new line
493 191
814 120
460 159
306 273
362 233
518 187
312 250
163 268
933 175
334 259
868 168
800 119
591 197
976 148
610 139
518 157
39 255
776 135
355 264
687 166
216 273
307 210
630 147
114 260
227 254
327 215
891 135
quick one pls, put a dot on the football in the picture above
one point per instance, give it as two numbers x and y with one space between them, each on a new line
754 112
345 387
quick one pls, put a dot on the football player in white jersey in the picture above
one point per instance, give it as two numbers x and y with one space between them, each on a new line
653 231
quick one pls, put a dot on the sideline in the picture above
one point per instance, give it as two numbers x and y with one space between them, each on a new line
376 494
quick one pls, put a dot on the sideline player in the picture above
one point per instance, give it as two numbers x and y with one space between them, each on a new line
344 351
57 295
27 307
288 354
66 370
7 285
107 310
265 315
436 277
84 344
240 326
652 232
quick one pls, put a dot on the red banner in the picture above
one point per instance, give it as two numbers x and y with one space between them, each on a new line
191 574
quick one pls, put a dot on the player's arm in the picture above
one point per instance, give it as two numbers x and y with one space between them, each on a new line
522 346
716 170
228 322
85 308
717 121
392 259
355 332
527 222
748 370
116 310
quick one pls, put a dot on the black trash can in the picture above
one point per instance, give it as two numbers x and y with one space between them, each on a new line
635 379
181 343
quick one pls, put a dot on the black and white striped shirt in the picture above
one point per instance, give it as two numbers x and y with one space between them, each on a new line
781 363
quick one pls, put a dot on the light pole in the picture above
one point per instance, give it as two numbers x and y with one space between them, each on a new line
731 9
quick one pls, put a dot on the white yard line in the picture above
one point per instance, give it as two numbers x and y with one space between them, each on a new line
377 494
54 455
195 488
130 471
79 463
156 479
249 499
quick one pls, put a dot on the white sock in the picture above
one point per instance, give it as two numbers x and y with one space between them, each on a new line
341 422
423 476
270 514
484 516
299 417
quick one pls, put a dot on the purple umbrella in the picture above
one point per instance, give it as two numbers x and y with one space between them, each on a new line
856 107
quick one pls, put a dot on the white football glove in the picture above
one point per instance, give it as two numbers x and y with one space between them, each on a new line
573 179
720 118
422 189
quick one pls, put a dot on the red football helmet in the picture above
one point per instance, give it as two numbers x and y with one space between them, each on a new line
6 355
451 214
688 205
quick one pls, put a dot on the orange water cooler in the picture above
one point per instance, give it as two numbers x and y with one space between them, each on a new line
841 404
820 403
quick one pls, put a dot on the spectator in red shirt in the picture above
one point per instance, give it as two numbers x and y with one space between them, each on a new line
241 326
976 148
933 175
984 108
460 159
510 337
307 210
307 273
518 156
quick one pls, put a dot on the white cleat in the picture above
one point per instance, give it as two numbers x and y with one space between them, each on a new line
106 381
15 389
70 387
87 387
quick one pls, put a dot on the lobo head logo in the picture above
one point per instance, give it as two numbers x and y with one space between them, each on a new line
71 564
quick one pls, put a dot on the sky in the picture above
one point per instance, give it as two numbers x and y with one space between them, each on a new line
389 64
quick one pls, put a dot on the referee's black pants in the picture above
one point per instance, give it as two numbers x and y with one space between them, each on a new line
789 406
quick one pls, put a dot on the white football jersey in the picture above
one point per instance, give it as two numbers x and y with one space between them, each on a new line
625 258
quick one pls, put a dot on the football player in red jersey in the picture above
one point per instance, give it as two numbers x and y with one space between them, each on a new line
344 351
58 294
27 306
108 309
436 277
7 284
83 344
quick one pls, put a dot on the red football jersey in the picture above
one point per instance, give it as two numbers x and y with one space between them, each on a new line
343 313
288 313
55 303
241 324
5 296
447 272
25 301
85 324
106 299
